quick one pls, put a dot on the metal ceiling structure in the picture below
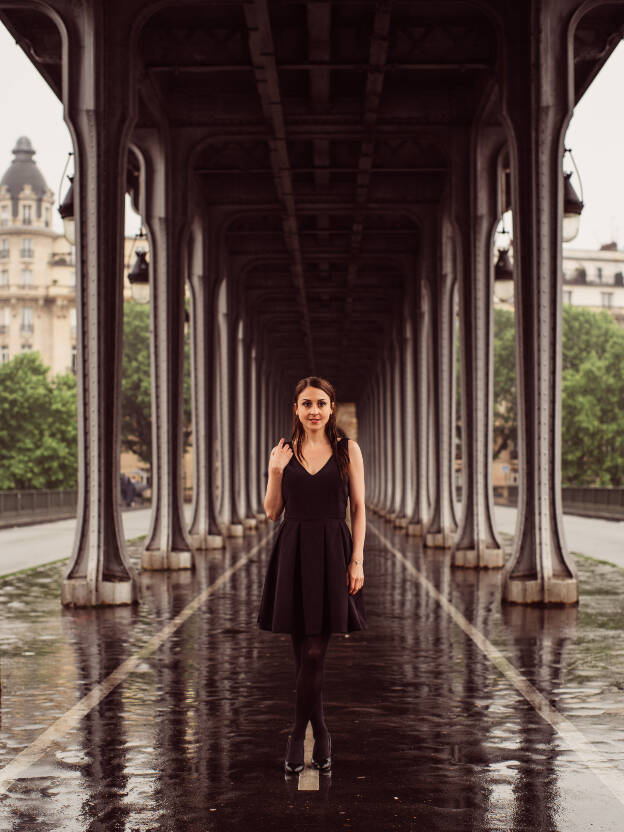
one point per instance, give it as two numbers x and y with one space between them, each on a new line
326 177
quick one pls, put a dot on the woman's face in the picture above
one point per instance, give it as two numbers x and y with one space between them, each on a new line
313 408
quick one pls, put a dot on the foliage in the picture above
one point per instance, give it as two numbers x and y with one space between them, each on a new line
38 427
505 390
592 401
136 403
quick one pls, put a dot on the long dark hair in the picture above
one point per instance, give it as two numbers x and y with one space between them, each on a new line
332 431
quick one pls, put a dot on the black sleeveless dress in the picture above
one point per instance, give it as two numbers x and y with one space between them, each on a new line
305 587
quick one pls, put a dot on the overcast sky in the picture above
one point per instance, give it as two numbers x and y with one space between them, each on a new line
596 136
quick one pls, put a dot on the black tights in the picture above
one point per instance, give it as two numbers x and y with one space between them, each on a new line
310 660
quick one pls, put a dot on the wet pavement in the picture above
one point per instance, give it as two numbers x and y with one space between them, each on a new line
431 729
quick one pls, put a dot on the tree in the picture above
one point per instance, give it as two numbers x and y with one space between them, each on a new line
505 390
592 447
38 429
136 402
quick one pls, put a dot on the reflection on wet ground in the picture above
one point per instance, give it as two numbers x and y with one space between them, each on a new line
427 734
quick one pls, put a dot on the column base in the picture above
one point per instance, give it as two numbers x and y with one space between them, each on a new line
415 529
556 591
75 592
439 540
154 559
478 558
400 522
261 518
235 530
250 523
207 541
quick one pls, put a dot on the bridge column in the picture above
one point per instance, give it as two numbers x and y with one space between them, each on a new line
387 447
397 424
164 207
204 529
477 543
408 422
233 449
537 100
420 310
377 439
99 110
443 525
247 423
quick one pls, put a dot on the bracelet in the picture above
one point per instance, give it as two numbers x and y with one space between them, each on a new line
355 561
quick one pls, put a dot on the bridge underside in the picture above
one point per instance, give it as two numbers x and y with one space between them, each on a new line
326 178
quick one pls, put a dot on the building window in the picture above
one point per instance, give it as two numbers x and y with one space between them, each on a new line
4 249
26 347
72 321
27 277
74 360
4 277
4 354
46 214
27 249
599 274
27 319
567 296
26 215
606 298
4 216
5 319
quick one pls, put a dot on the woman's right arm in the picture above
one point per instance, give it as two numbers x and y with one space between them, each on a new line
278 460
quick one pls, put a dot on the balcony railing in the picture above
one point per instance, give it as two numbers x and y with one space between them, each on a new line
4 253
26 327
4 328
27 253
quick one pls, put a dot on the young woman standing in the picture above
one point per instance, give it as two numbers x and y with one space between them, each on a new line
313 584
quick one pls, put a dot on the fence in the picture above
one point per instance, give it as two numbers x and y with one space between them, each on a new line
589 501
36 505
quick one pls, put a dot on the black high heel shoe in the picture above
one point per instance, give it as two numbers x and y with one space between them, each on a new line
293 765
325 763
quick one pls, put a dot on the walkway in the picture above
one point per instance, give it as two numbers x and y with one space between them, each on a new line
175 717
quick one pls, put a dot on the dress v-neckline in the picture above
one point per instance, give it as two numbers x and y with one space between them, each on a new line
320 469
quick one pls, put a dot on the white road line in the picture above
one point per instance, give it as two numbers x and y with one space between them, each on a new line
610 776
309 777
72 717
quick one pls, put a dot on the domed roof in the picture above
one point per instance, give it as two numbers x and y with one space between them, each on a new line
23 170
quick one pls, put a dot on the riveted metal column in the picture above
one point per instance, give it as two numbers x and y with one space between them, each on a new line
380 466
99 110
397 424
477 543
204 529
164 204
233 450
538 105
408 421
248 425
254 436
442 527
421 315
387 447
224 418
263 453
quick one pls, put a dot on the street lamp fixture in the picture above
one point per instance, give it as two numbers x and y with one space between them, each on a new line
503 276
66 210
139 277
572 204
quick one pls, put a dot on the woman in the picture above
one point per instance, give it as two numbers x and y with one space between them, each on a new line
314 579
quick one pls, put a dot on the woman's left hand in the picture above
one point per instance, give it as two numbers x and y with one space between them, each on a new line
355 577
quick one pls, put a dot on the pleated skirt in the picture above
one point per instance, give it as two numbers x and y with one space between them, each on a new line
305 587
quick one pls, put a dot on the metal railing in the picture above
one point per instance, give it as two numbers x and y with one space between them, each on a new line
37 504
588 500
